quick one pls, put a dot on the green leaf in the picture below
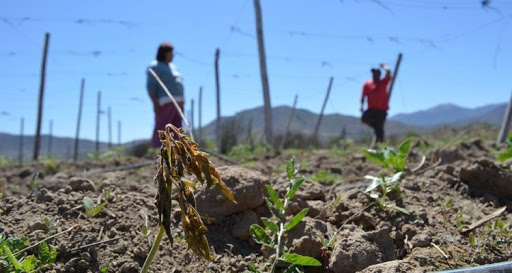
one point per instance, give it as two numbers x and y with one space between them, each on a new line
274 198
88 204
269 224
253 268
274 210
300 260
505 155
296 219
29 263
47 254
294 188
399 209
96 209
376 157
290 169
396 178
376 181
405 148
259 235
11 257
472 239
47 222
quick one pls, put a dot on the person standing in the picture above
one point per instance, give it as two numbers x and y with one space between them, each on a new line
165 110
376 92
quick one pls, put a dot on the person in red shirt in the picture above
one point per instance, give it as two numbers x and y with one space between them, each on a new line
376 90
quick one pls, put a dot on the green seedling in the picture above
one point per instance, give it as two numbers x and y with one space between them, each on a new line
279 225
503 156
445 208
106 194
389 158
326 177
472 239
119 198
49 165
14 259
50 224
4 162
145 229
32 185
92 209
104 268
385 185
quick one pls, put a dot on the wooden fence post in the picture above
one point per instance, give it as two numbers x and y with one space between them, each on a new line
322 111
505 124
109 128
37 139
77 135
264 77
98 112
395 74
50 136
118 133
200 106
192 116
217 85
22 125
292 114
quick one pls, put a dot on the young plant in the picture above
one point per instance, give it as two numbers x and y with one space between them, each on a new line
326 177
503 156
49 165
385 185
280 224
90 208
32 185
180 155
14 259
145 229
390 158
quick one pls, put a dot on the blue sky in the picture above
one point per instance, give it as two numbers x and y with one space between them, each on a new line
454 51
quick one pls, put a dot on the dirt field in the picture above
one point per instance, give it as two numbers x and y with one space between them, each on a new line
443 198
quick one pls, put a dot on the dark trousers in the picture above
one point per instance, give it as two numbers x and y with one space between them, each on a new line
375 118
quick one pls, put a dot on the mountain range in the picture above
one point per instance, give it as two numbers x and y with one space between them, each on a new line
251 122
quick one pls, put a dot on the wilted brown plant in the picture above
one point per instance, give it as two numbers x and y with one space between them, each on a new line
179 156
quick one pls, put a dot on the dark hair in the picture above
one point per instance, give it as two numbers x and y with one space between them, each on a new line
163 49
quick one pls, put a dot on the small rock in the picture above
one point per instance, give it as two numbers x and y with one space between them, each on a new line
421 240
43 195
81 184
120 249
241 229
36 225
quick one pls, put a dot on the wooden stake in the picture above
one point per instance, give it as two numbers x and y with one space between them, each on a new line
395 74
505 124
264 77
22 125
37 139
322 111
109 128
192 116
217 85
50 136
200 106
98 112
77 135
292 114
118 133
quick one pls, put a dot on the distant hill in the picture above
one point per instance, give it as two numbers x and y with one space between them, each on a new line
61 146
450 114
304 123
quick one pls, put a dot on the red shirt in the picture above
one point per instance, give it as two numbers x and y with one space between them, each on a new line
377 93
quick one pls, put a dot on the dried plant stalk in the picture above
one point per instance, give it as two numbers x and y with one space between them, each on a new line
180 156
